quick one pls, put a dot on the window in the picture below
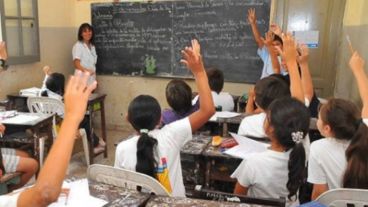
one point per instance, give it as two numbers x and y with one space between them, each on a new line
19 29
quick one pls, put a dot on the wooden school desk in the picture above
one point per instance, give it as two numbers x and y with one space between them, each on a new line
39 125
206 165
96 102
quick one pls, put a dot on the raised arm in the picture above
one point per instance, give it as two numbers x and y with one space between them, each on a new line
252 19
307 82
48 184
289 54
356 64
273 54
193 60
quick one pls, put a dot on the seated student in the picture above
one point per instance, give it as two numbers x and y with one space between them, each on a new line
279 171
53 84
266 90
156 152
179 98
49 181
272 88
266 47
221 100
340 159
53 87
17 161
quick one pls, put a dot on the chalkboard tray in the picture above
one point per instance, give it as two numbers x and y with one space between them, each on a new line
145 38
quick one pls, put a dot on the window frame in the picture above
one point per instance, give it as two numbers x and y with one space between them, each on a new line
21 59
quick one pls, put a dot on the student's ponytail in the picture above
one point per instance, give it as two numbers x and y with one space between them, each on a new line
296 167
356 173
144 114
146 162
289 119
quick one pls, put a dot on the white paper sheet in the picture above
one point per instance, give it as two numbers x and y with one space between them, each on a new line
246 147
20 119
223 114
78 196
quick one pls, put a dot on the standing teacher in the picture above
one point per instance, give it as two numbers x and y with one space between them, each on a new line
84 51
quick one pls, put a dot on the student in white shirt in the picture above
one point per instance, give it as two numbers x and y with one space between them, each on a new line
156 152
48 185
216 82
272 88
84 51
279 171
53 84
340 159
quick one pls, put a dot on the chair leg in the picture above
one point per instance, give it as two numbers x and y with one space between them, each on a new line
85 144
42 150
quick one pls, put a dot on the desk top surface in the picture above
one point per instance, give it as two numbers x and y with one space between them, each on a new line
117 196
26 119
186 202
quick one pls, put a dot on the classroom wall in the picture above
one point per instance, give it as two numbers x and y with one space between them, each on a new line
355 25
56 39
122 89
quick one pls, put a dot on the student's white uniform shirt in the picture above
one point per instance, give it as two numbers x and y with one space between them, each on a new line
253 125
87 57
265 174
9 200
170 140
327 161
223 99
267 69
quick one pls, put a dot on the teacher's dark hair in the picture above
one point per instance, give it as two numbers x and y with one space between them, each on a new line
83 27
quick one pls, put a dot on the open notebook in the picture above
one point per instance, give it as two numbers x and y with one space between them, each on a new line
245 147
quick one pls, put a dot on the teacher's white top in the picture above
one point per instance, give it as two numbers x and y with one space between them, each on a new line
87 57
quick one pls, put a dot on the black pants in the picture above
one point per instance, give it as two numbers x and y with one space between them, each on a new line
86 125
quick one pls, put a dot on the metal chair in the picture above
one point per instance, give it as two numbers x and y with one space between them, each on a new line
125 179
344 197
48 105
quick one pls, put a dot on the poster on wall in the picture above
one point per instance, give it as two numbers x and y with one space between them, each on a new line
310 38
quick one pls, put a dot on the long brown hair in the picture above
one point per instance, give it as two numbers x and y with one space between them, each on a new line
346 124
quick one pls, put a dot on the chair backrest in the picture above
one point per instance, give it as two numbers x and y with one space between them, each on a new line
344 197
45 105
125 178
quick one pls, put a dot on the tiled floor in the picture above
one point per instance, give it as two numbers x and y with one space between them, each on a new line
77 166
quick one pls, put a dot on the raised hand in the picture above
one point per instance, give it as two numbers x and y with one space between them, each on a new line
47 70
252 16
289 52
304 54
356 62
275 29
268 39
192 58
76 96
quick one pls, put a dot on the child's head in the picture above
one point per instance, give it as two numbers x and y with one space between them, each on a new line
179 96
338 118
287 123
269 89
277 42
144 114
341 119
215 79
56 83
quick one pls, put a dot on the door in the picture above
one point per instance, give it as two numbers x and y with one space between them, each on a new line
326 16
